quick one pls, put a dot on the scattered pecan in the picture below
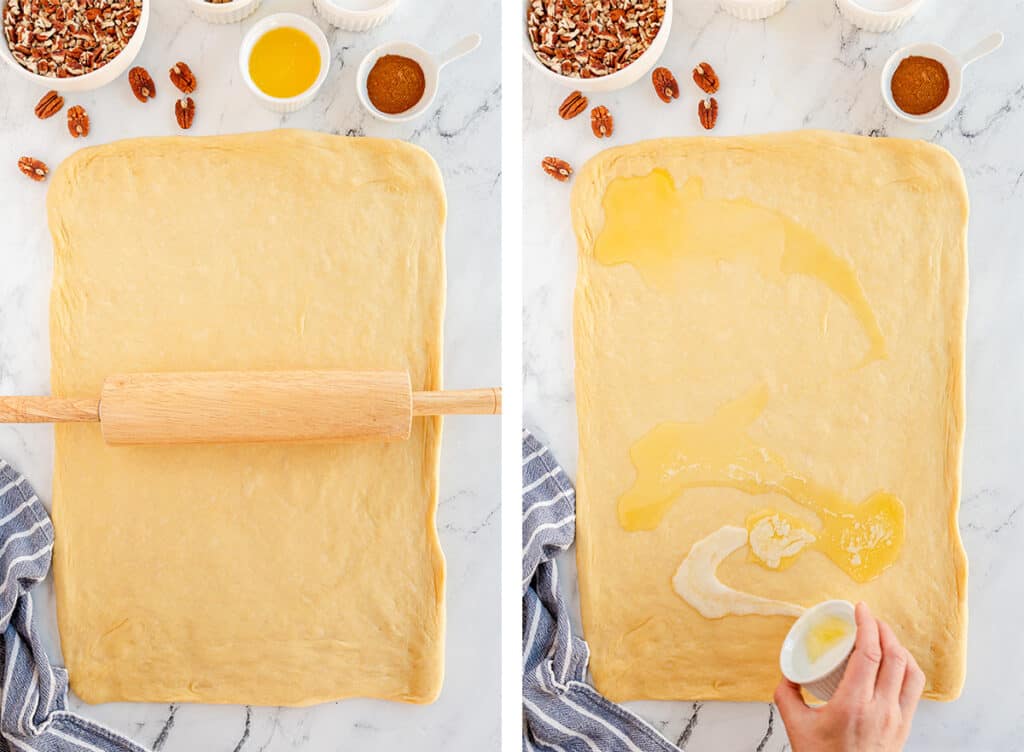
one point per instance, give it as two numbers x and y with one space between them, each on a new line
49 105
592 38
573 105
142 83
557 168
601 122
706 78
707 111
78 121
185 112
183 77
66 38
665 84
33 168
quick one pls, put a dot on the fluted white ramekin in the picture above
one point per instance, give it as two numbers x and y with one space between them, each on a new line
87 81
753 10
879 20
822 680
276 21
337 13
224 13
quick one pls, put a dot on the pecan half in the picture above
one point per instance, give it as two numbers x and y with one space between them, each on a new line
573 105
557 168
185 112
707 111
142 83
706 78
33 168
601 122
183 77
49 105
78 121
665 84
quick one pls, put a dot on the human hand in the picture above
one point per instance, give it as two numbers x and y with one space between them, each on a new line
874 705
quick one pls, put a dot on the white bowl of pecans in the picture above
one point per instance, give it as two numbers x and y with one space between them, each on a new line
76 45
595 45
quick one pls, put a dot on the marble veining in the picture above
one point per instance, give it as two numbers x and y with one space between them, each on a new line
461 131
809 68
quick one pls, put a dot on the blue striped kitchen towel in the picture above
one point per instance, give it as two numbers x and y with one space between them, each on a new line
561 712
33 704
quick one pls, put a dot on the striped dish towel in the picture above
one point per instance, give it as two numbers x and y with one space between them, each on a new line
33 714
561 712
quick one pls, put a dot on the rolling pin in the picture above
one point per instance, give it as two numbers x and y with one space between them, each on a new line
252 406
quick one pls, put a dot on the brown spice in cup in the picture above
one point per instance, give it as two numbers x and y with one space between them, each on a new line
395 84
919 85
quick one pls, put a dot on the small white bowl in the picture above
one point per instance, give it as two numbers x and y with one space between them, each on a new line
355 15
224 13
954 65
823 680
752 10
87 81
277 21
431 65
620 79
879 15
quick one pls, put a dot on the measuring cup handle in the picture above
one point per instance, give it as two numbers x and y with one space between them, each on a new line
991 43
462 47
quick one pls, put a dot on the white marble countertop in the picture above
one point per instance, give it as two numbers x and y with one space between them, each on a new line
808 68
462 132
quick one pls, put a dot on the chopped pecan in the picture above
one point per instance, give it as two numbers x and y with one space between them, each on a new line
665 84
573 105
707 111
49 105
557 168
185 112
601 122
183 77
33 168
142 83
78 121
706 78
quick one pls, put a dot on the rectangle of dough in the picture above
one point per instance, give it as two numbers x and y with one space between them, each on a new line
897 212
258 574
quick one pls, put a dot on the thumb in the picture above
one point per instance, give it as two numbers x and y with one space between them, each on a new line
790 702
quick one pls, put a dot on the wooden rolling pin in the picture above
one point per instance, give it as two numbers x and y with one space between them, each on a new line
250 406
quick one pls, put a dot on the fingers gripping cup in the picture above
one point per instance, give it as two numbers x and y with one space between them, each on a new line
818 647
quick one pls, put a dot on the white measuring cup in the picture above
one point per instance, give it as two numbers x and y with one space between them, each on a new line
430 63
954 65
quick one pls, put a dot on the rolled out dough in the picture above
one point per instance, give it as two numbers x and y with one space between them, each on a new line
861 365
256 574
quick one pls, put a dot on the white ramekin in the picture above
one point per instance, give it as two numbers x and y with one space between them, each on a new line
224 13
345 15
87 81
753 10
276 21
879 20
823 683
613 81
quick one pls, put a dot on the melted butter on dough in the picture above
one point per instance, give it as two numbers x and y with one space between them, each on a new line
862 539
649 224
776 539
696 581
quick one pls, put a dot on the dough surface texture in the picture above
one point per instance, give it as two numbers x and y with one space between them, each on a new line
768 326
262 574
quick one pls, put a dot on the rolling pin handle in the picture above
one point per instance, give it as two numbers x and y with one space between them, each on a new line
48 410
457 402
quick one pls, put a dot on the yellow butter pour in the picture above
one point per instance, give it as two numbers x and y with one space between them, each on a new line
861 538
284 62
656 228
